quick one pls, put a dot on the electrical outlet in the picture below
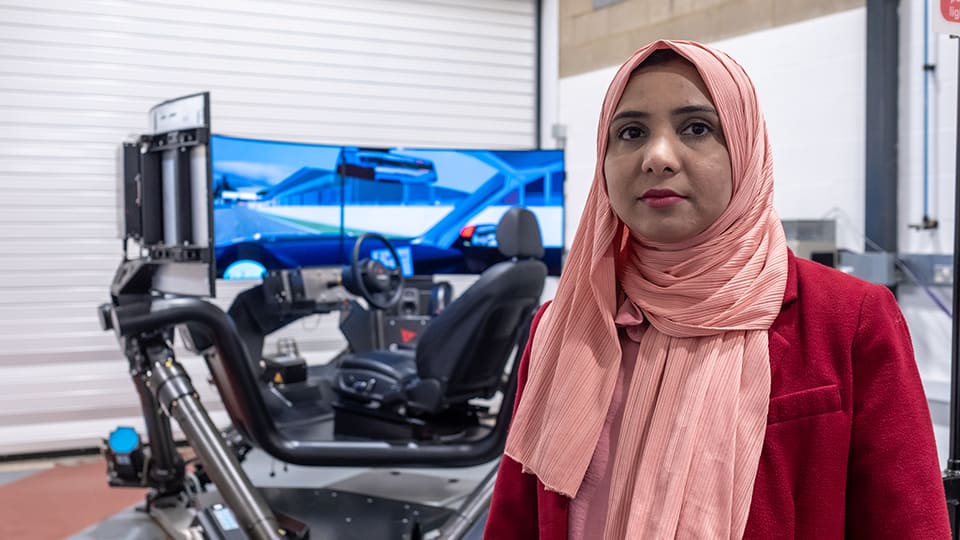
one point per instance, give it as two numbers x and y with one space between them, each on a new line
942 274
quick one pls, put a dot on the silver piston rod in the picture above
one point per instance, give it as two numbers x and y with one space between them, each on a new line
176 395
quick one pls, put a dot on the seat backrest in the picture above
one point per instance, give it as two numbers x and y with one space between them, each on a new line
467 346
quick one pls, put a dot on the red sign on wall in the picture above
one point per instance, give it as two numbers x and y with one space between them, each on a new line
950 10
946 19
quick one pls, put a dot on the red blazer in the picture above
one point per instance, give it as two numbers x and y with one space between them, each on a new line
849 448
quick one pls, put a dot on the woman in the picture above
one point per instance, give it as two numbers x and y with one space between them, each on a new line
692 378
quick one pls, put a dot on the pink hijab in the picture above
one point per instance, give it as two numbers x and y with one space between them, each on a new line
695 408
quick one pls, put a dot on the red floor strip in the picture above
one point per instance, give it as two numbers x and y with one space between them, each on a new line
61 501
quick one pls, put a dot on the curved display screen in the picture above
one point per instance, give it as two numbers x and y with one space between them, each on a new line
285 205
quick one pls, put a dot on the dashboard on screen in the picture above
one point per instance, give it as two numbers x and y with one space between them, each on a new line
287 205
406 259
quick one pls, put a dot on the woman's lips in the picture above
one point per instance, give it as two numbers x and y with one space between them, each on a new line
660 198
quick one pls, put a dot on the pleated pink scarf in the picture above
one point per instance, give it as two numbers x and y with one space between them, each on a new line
695 409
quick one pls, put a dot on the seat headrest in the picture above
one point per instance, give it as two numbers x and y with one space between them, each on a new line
518 234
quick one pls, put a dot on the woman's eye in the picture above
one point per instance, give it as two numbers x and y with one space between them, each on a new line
697 129
630 132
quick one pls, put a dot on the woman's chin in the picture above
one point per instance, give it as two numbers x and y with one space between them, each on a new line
663 235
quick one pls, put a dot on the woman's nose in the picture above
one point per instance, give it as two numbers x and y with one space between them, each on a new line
660 156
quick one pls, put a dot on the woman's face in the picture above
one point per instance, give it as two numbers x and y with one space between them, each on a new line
667 165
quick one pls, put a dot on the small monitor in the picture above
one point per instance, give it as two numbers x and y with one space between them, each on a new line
384 256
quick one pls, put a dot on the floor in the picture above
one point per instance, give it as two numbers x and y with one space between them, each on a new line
53 500
69 498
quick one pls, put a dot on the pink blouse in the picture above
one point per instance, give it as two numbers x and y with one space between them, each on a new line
588 510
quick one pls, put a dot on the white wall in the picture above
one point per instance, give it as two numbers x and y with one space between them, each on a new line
810 77
929 325
942 117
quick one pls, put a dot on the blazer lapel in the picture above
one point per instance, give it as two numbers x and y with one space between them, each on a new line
782 335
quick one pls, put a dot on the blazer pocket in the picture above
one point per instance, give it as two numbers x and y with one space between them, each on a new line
810 402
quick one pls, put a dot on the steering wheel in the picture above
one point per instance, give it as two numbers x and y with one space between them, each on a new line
377 284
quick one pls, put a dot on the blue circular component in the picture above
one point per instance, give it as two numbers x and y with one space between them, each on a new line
123 440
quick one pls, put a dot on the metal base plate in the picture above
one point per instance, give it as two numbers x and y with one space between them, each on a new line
350 516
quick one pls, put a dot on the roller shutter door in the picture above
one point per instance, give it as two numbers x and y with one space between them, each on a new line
76 79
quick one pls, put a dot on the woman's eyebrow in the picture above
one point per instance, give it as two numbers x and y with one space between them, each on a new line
695 109
689 109
628 114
